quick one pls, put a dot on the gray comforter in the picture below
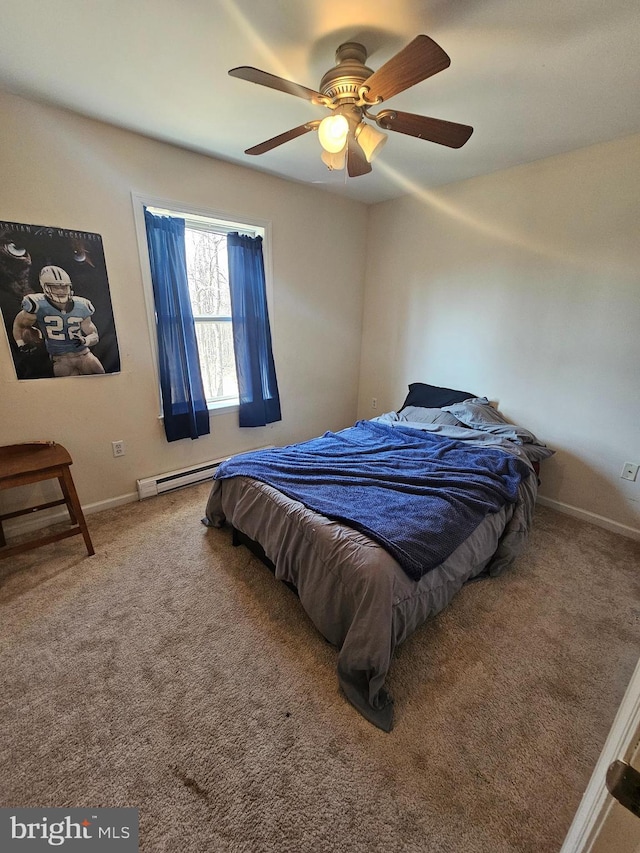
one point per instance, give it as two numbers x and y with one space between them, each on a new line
353 590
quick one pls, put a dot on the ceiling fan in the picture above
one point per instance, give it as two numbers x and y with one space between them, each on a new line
350 90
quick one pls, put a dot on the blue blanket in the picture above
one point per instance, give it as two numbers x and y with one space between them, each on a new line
419 495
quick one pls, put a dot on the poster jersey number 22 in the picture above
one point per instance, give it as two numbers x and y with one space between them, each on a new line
61 330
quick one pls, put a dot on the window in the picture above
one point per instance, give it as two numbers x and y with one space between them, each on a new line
208 277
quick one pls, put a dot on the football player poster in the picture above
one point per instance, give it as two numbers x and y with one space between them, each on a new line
55 302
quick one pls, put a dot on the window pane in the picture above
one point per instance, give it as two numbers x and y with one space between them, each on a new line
208 273
217 362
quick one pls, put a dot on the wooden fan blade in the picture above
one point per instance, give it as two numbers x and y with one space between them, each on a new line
282 138
254 75
356 161
420 59
433 129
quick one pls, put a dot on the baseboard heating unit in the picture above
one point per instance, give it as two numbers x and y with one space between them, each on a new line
172 480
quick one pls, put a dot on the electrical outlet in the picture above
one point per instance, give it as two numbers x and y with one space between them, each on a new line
118 448
374 402
629 472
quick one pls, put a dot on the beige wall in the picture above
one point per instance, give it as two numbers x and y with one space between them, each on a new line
523 286
63 170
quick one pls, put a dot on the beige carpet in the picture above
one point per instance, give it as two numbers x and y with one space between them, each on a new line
173 673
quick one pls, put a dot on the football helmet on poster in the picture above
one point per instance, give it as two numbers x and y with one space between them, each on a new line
56 285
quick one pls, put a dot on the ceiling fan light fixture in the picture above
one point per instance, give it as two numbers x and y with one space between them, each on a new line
371 140
336 161
332 133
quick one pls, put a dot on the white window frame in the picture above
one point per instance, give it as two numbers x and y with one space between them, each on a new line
228 221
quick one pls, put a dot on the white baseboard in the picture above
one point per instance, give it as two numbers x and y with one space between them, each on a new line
592 517
110 503
37 520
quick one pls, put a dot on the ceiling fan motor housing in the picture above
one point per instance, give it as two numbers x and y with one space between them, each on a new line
342 83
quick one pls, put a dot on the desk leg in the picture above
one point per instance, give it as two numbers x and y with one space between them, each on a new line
75 510
3 541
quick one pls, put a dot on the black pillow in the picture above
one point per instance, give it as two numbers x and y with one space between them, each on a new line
432 397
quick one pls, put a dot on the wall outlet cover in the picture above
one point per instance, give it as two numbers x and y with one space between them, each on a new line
630 471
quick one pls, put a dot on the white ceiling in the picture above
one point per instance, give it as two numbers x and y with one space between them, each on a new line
533 77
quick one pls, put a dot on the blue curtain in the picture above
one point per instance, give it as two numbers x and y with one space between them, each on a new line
257 384
183 400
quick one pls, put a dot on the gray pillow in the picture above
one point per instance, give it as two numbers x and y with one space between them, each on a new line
477 413
418 414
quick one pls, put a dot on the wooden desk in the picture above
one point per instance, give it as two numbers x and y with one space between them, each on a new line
21 464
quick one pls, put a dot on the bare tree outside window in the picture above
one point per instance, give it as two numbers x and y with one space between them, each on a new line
208 275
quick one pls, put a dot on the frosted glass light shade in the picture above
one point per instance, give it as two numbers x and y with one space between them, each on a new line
335 161
370 140
332 133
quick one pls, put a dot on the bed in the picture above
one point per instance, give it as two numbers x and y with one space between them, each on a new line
378 526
